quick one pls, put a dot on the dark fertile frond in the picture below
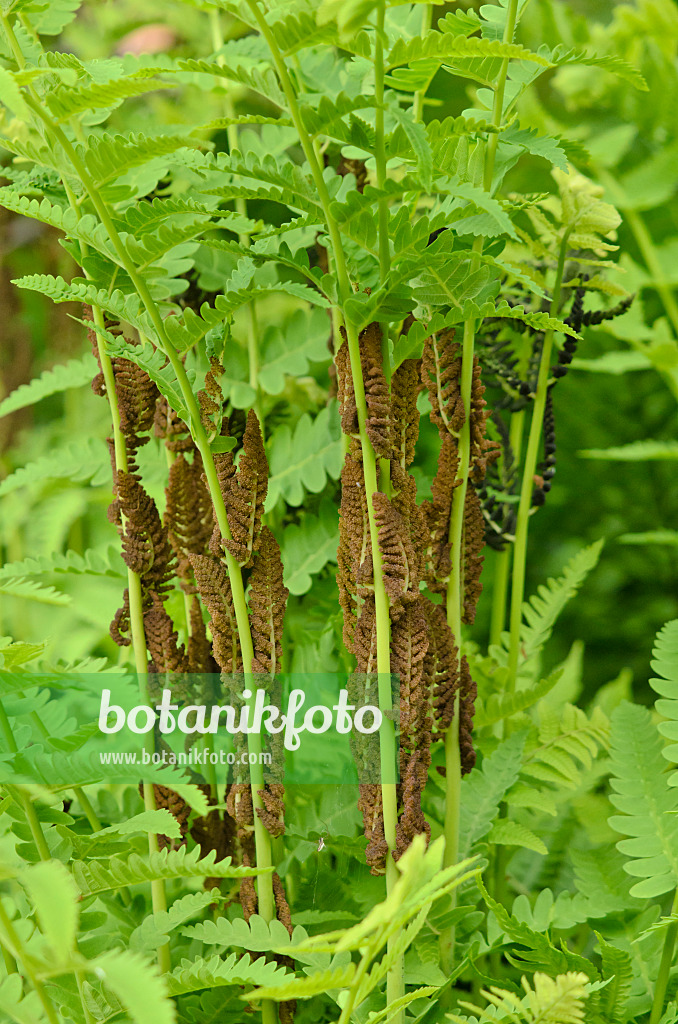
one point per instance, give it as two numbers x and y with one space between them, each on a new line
440 372
145 547
377 399
437 512
345 393
411 821
214 832
211 399
468 691
400 562
169 426
365 641
247 494
214 588
167 654
166 798
198 647
473 542
267 600
188 514
441 666
371 806
273 812
405 388
354 541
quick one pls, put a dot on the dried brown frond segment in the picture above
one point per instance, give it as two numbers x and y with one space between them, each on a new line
437 512
354 541
412 822
365 642
239 807
137 395
468 691
214 832
167 799
188 514
273 812
120 624
281 905
198 647
400 561
483 450
378 423
473 544
404 501
167 655
169 426
345 393
409 646
441 371
214 588
371 806
247 494
441 666
145 547
267 600
211 399
405 388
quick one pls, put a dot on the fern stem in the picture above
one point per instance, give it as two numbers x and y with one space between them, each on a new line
12 943
527 487
503 558
420 94
455 594
380 151
665 965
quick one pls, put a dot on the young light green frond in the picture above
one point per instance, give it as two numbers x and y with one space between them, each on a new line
305 988
609 62
121 307
137 985
65 101
31 590
505 832
544 607
193 975
558 1000
301 459
19 1003
72 374
567 743
95 562
327 117
85 460
665 664
445 46
287 350
255 935
258 77
648 806
501 706
85 228
155 929
107 157
54 896
94 877
483 791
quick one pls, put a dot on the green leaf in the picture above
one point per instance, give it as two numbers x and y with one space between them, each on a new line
54 896
104 561
34 591
307 547
95 877
300 460
73 374
514 833
155 929
636 451
648 806
77 461
23 1009
665 664
192 975
137 985
483 791
289 350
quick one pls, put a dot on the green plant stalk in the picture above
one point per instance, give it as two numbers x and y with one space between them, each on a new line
527 486
665 965
387 735
503 558
244 239
455 597
20 794
11 941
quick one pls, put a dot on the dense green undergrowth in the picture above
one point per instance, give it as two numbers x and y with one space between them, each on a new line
377 302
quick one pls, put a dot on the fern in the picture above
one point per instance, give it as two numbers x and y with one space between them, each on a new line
618 968
17 1004
155 929
665 663
33 591
558 1000
307 547
484 790
96 562
96 877
87 460
445 46
137 986
192 975
636 451
301 459
648 805
73 374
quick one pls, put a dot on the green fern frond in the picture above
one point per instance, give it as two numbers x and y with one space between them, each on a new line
558 1000
19 1005
301 460
95 562
78 461
308 547
73 374
255 935
617 966
444 46
66 101
305 988
259 77
665 664
155 929
609 62
137 984
85 228
107 157
501 706
568 741
33 591
648 804
505 832
95 877
484 790
193 975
